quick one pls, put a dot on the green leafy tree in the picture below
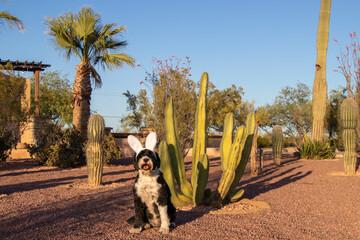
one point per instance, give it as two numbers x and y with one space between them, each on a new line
333 115
229 100
292 110
11 114
83 35
55 97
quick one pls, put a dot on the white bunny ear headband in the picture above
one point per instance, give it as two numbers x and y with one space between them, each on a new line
136 145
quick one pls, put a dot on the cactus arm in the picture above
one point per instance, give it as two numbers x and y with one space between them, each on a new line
226 141
236 195
228 175
176 198
177 159
245 150
202 176
94 149
200 134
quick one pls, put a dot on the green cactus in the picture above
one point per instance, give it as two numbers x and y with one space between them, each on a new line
200 144
176 156
320 84
167 170
238 158
349 119
234 157
277 143
94 149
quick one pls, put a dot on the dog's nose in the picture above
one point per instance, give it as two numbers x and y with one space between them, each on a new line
146 160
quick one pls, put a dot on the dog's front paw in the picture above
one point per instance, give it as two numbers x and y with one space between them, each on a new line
164 230
135 230
147 226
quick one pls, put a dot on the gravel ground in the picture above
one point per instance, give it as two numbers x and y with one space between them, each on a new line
305 203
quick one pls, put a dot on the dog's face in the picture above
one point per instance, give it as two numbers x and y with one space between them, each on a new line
146 161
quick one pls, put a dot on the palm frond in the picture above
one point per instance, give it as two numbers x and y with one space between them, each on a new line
11 21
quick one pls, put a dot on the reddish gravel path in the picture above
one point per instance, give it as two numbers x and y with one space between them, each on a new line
306 203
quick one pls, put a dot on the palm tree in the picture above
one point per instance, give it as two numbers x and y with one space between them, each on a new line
82 34
11 21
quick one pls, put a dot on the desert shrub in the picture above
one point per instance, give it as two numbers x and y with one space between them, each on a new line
310 149
8 141
59 147
263 142
111 149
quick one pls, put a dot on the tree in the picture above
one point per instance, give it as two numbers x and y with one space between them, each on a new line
292 110
229 100
319 100
333 115
55 97
10 20
171 78
83 35
11 114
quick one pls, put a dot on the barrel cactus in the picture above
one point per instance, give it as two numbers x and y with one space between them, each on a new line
349 119
234 157
277 142
94 149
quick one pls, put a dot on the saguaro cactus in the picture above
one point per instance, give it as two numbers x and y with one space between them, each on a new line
277 142
320 83
349 119
94 149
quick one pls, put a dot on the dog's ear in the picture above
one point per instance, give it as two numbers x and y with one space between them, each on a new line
136 166
151 141
135 143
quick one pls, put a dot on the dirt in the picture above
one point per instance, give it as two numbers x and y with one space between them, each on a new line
298 200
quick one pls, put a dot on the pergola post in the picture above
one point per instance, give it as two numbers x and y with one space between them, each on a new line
37 92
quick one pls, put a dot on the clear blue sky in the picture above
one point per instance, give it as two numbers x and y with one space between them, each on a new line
260 45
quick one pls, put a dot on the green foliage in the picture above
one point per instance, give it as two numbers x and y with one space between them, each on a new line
11 94
292 110
222 102
55 97
312 149
11 20
82 34
8 141
58 147
333 125
111 149
263 141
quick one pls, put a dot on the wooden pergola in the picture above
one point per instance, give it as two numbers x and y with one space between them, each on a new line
27 66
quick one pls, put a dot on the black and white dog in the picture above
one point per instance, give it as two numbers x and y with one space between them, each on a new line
153 207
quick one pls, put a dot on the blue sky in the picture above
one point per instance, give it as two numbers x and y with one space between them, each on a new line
261 45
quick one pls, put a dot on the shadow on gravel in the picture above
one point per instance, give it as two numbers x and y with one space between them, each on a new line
82 216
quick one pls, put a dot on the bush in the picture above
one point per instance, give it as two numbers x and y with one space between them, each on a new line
263 142
111 149
316 149
8 141
59 147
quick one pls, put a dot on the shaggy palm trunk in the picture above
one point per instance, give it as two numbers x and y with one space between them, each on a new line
320 84
81 98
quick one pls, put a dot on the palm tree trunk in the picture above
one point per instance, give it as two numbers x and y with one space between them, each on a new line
81 97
